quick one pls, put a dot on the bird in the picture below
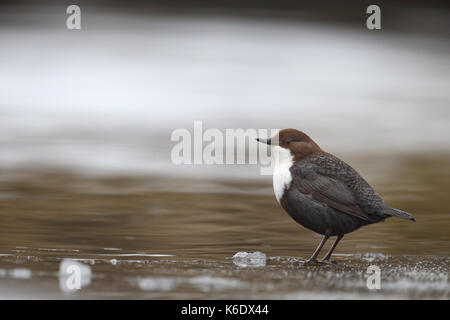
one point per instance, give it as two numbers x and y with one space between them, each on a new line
321 192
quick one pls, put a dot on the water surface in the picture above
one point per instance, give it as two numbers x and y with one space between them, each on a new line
156 237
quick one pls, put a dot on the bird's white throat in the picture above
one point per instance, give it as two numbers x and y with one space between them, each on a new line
282 177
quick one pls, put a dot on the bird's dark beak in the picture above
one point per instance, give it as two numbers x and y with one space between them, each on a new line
266 141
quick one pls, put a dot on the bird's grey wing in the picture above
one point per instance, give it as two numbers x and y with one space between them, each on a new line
331 192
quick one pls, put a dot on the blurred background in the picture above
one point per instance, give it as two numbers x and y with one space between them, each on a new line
86 117
107 97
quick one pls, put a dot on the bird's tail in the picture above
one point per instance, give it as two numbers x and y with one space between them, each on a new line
399 213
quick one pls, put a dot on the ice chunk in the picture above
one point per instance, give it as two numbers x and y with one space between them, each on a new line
203 283
249 259
73 275
158 284
208 283
20 273
371 257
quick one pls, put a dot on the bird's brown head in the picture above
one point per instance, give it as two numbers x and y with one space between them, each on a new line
298 142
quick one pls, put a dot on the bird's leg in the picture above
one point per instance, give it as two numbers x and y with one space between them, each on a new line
328 255
316 253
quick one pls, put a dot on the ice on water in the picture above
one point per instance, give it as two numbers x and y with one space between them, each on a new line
17 273
204 283
249 259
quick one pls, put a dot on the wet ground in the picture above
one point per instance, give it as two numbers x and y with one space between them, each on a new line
155 237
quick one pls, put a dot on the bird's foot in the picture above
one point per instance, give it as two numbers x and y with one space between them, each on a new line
298 261
328 261
309 261
315 261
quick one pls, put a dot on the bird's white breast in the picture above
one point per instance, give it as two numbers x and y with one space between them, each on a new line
282 177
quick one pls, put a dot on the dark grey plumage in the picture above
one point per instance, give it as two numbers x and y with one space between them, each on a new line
328 196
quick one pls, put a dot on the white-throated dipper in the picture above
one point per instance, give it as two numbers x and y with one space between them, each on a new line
321 192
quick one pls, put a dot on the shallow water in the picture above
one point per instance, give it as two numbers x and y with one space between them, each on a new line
155 237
